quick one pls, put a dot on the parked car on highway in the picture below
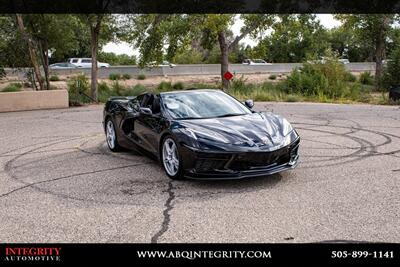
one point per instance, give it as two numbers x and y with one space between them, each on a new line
202 134
86 63
255 62
64 65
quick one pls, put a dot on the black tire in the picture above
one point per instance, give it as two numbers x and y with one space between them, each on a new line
174 175
112 143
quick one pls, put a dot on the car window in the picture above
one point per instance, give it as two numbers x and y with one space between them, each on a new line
86 61
202 104
75 60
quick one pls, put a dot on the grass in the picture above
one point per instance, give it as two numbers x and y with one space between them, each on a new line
12 87
366 78
352 92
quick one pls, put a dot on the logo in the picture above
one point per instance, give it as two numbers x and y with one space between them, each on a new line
32 254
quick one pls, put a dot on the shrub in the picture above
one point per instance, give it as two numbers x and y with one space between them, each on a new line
239 84
141 77
272 77
391 77
350 77
104 92
78 90
2 72
178 86
136 90
114 76
164 86
12 87
366 78
126 76
324 80
118 89
54 78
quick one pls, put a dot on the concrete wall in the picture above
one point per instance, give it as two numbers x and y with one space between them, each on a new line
194 69
31 100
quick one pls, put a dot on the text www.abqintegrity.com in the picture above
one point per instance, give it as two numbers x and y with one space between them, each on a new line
203 254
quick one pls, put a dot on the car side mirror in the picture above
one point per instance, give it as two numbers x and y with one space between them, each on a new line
146 111
249 103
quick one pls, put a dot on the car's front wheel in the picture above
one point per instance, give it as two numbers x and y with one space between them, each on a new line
171 159
111 137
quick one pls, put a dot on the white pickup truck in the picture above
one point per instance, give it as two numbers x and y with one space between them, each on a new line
86 63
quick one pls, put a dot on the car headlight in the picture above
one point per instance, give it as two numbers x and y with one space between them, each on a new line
286 127
205 134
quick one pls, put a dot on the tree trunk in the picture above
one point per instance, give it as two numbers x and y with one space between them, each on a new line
380 51
224 47
94 32
44 48
32 51
380 47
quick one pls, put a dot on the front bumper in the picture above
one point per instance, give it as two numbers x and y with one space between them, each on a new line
237 165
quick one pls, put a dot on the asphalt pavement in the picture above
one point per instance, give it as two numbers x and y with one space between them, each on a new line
60 183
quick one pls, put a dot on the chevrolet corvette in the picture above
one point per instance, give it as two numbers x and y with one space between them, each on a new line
202 134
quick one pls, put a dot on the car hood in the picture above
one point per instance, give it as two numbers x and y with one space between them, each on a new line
256 130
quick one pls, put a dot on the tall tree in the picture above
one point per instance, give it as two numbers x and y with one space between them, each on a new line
32 47
156 34
293 39
372 29
102 28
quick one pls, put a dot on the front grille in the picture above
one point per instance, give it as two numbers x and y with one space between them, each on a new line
207 162
204 165
256 160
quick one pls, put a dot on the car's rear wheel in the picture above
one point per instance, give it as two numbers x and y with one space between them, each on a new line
111 137
171 159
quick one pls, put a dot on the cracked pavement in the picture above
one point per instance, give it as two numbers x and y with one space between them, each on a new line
59 183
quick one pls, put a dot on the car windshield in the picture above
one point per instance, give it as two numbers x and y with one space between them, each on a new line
202 105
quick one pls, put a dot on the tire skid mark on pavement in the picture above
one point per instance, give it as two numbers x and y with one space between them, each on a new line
361 149
9 167
68 176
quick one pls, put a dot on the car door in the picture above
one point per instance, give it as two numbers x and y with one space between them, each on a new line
148 128
86 62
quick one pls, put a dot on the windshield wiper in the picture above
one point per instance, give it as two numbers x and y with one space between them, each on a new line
191 118
230 115
221 116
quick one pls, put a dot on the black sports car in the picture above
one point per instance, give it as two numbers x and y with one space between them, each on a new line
202 134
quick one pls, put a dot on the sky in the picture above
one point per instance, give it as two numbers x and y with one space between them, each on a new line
327 21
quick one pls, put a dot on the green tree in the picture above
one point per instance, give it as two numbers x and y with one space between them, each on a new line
102 27
293 39
115 59
373 30
156 35
217 27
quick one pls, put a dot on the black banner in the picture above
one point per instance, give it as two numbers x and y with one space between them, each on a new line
322 254
200 6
